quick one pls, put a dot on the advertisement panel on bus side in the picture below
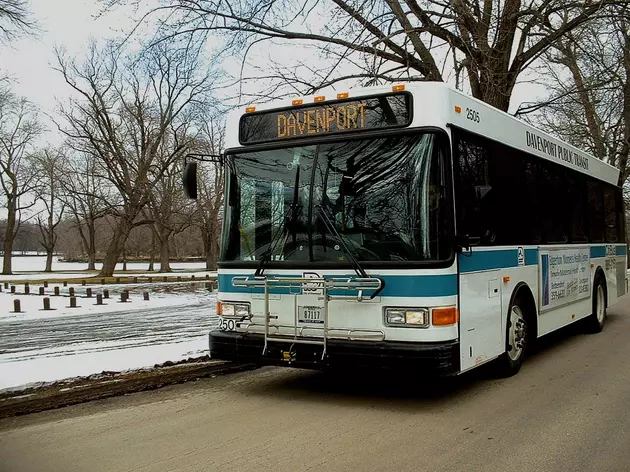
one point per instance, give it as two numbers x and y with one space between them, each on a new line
565 276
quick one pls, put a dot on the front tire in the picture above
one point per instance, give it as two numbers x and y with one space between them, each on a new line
595 322
510 362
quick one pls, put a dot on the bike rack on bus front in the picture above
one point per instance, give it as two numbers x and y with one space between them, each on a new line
326 285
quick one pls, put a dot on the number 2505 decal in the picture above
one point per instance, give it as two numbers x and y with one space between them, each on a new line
473 115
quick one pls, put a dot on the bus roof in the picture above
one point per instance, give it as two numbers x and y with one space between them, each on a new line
450 107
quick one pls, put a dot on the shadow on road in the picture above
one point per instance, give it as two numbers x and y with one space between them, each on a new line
404 390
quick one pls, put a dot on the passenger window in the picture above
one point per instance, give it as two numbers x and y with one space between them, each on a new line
610 215
595 211
475 207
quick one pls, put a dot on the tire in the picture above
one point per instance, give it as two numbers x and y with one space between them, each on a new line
595 322
516 341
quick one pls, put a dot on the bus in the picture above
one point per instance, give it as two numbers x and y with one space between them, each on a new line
408 227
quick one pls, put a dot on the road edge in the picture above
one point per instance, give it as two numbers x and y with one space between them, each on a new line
110 384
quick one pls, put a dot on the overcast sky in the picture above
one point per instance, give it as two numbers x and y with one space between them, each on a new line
71 24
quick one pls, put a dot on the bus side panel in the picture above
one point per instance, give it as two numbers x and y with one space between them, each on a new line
488 278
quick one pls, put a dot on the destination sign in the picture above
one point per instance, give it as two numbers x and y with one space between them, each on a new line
363 114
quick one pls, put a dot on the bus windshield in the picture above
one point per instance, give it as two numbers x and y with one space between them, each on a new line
385 197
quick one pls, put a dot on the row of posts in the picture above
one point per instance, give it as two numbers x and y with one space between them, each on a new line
210 285
124 297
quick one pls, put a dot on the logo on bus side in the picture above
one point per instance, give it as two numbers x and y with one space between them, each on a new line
311 288
521 256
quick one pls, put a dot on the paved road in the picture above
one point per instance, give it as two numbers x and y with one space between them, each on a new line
567 410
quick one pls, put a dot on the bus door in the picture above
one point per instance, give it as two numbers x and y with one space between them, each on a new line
479 307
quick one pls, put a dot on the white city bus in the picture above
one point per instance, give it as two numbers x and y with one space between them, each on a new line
408 227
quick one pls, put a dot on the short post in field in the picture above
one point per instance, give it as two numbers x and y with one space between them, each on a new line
99 299
105 293
41 290
17 307
56 291
46 303
88 292
146 295
73 302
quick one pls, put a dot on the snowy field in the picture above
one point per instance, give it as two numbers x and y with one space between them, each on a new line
43 346
26 267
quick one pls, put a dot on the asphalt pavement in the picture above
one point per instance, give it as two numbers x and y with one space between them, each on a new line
567 410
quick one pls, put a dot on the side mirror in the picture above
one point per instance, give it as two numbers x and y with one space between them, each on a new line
465 242
190 180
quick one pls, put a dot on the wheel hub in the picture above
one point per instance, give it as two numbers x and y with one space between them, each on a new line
517 333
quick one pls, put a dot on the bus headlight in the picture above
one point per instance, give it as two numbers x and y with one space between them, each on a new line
407 316
233 310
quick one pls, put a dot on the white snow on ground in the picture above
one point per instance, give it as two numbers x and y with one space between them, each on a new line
41 346
32 306
47 369
25 268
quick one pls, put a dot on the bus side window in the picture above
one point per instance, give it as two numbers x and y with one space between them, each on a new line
610 214
473 190
595 211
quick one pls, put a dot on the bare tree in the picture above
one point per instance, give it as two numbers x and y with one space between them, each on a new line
491 42
588 77
124 110
88 196
15 19
168 208
209 201
48 164
19 127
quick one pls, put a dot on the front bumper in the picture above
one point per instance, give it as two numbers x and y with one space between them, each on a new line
431 358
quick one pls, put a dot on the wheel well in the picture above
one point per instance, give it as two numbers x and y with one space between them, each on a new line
599 274
524 293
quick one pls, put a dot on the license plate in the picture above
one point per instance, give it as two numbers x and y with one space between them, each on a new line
311 314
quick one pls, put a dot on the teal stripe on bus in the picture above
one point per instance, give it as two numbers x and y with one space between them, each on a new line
443 285
621 250
598 251
531 257
497 259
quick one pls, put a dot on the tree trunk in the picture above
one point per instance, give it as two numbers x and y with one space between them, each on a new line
49 259
210 248
8 238
165 265
152 255
115 248
92 246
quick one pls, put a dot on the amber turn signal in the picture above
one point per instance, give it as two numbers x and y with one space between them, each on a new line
444 316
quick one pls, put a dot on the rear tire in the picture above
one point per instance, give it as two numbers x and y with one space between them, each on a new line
510 362
595 322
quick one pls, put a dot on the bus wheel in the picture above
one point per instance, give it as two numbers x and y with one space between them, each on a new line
595 322
511 360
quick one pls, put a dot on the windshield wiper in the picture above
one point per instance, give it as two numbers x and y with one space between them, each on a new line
283 230
353 260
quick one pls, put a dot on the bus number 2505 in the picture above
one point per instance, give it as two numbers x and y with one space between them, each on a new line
473 115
